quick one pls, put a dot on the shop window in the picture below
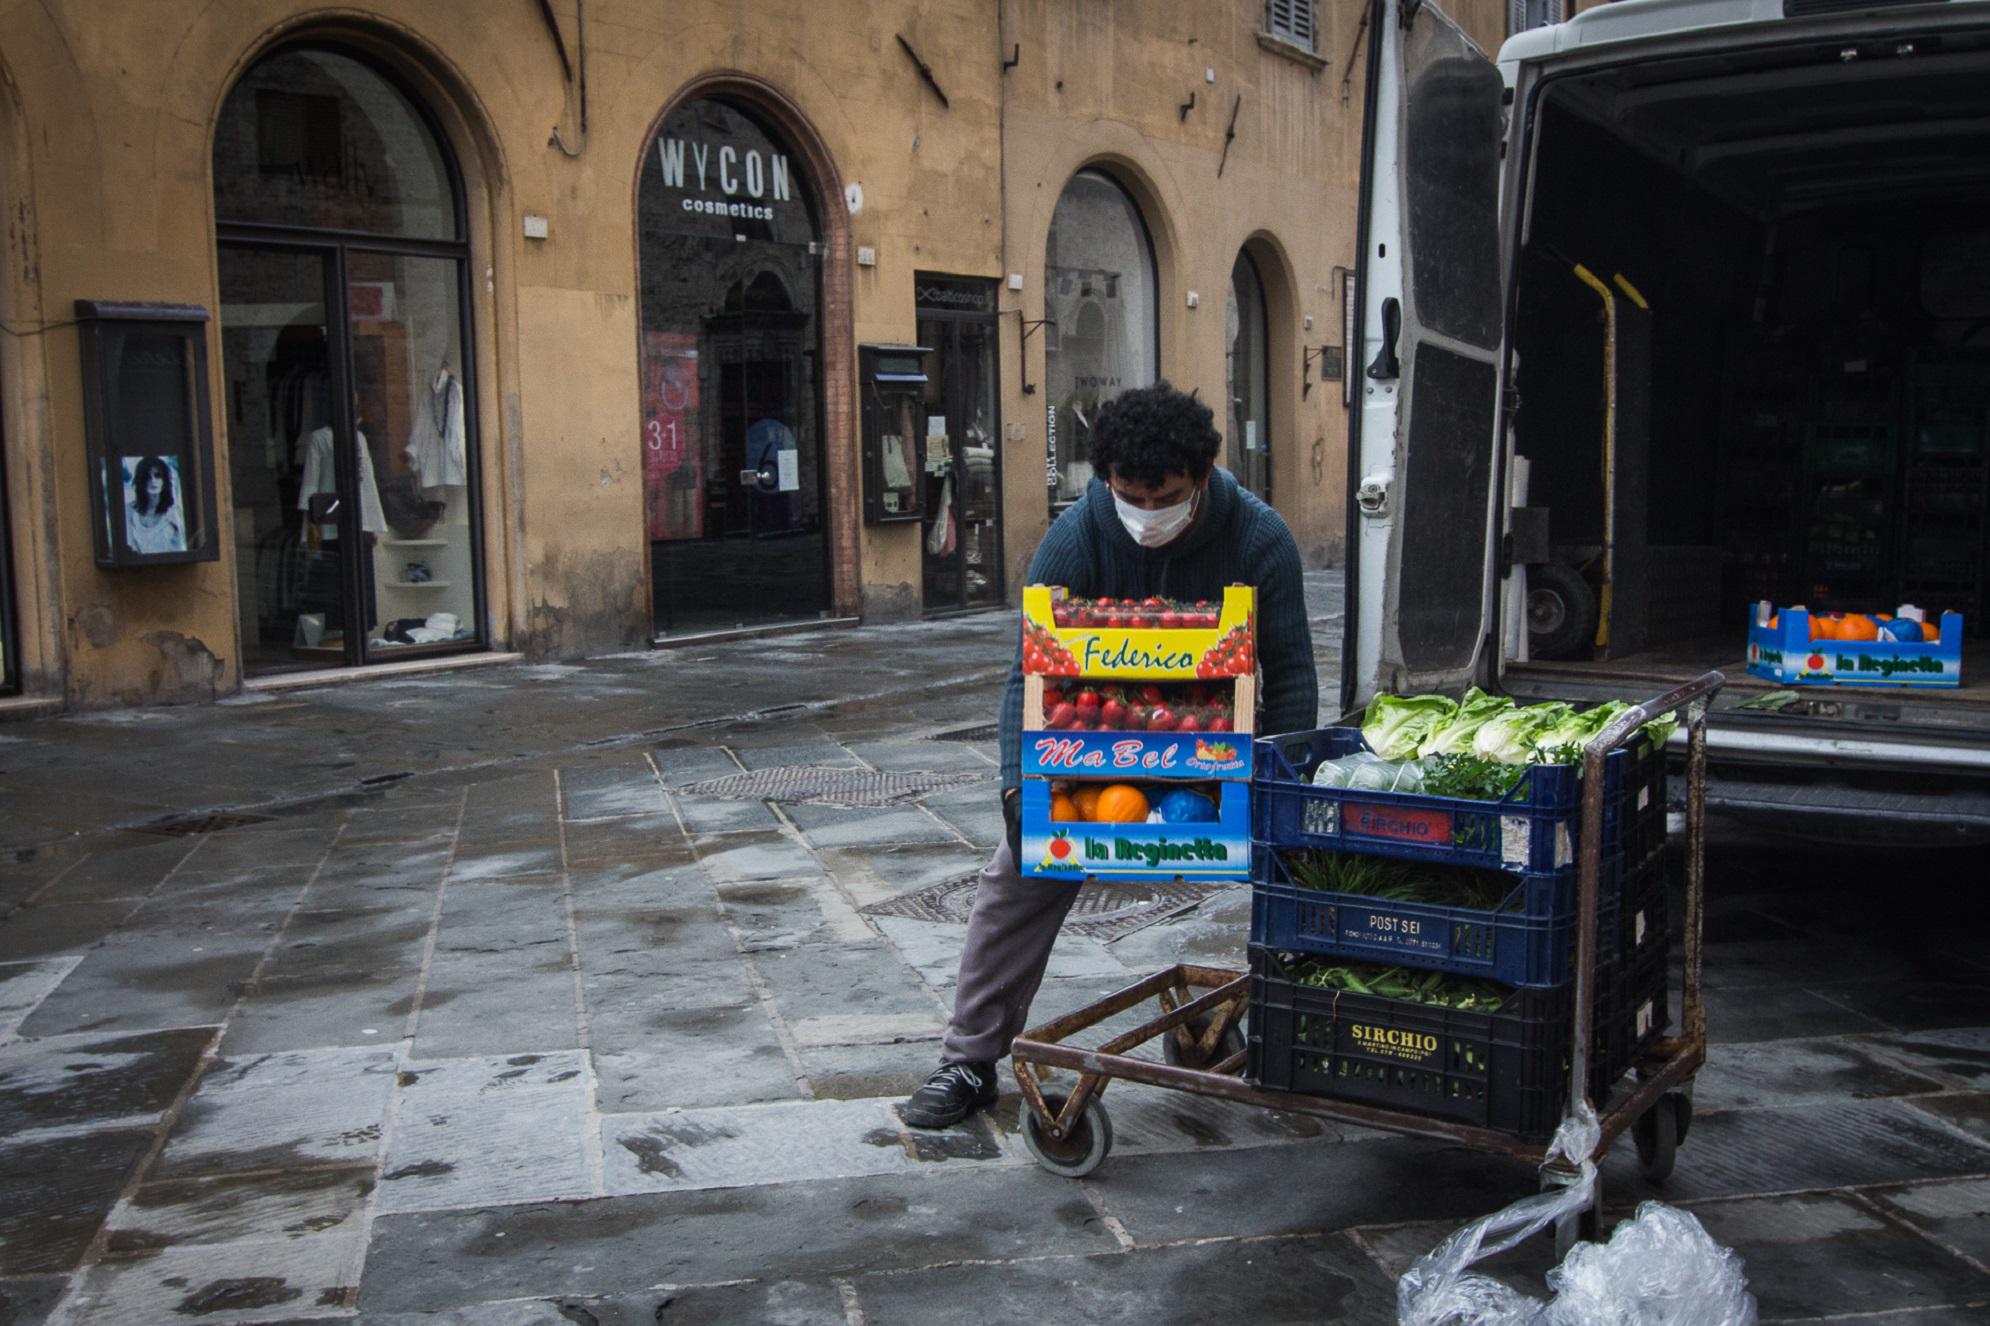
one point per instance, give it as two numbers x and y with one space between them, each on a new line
351 418
319 138
1100 299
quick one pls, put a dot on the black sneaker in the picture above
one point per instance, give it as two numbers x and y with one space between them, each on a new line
950 1095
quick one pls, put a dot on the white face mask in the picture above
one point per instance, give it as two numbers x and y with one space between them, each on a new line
1152 529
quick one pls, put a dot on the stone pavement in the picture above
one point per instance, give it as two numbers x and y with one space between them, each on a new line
506 996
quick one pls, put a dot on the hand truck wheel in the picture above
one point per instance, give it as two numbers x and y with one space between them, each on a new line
1078 1154
1656 1133
1229 1043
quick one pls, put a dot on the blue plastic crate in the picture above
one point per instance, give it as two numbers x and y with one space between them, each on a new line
1528 940
1534 828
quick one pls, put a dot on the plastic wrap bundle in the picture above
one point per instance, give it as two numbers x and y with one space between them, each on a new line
1660 1268
1365 771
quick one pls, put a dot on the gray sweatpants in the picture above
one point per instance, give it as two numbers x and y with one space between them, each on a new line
1009 937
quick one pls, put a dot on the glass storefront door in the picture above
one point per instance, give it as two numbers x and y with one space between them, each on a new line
963 528
731 426
351 422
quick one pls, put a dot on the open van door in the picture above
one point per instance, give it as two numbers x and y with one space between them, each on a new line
1424 428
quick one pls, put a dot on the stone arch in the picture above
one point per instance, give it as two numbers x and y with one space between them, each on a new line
458 113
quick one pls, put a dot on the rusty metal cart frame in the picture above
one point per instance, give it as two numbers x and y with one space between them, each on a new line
1070 1133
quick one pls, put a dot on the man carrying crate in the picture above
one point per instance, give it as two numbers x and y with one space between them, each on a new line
1159 518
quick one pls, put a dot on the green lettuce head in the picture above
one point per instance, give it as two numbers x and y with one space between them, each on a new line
1509 737
1394 726
1454 735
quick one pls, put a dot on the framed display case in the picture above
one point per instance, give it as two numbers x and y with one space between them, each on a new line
892 383
149 429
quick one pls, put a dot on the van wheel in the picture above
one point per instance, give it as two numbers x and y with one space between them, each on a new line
1561 611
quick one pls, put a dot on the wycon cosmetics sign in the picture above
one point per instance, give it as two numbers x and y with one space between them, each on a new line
725 180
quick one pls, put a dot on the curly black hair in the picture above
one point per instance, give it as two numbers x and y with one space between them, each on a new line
1150 434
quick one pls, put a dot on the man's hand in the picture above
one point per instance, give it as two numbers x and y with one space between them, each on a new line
1012 823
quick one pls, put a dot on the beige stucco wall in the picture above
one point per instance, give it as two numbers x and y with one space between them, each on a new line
106 125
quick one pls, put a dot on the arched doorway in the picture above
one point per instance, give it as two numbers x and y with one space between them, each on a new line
349 378
1101 303
734 482
1247 448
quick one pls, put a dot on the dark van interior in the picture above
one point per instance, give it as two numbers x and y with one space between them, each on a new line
1803 409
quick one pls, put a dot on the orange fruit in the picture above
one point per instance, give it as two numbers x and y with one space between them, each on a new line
1063 809
1823 627
1858 626
1775 619
1121 803
1087 799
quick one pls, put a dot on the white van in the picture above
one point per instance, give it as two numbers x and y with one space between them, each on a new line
1683 306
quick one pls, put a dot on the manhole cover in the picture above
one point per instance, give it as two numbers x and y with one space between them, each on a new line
828 786
1102 911
186 826
979 732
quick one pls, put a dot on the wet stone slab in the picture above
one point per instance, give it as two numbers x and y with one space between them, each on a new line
57 1192
279 1111
797 1231
750 1145
261 1281
1751 1014
143 979
79 1082
610 793
614 842
272 1205
1956 1215
1309 1187
1801 1072
1967 1111
830 826
691 1057
1958 1055
128 873
857 1072
1327 1279
489 1130
23 985
28 1301
781 1303
728 858
1824 1255
488 1003
1743 1152
42 932
488 864
284 1014
845 981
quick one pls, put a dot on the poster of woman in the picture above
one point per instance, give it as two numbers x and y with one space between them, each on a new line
154 518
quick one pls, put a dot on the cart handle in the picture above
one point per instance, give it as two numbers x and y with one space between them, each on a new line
1695 697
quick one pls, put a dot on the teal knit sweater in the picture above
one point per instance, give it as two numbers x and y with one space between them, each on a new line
1237 540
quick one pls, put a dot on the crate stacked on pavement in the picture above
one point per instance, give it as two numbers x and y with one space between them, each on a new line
1136 743
1416 951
